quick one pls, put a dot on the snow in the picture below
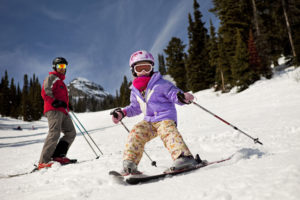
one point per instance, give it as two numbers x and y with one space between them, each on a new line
89 88
269 110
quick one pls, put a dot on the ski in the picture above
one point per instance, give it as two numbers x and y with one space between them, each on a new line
21 174
73 161
138 179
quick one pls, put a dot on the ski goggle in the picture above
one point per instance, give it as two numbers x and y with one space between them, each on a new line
143 67
61 66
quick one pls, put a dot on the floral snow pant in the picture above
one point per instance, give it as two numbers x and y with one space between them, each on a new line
145 131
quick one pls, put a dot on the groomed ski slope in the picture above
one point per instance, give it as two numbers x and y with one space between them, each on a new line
269 110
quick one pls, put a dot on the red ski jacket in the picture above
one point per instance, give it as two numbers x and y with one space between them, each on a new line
55 88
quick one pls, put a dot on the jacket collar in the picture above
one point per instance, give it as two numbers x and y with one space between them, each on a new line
154 78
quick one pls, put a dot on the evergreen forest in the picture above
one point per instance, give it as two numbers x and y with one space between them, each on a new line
251 36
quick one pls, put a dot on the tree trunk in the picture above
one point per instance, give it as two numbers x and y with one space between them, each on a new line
255 18
288 28
223 84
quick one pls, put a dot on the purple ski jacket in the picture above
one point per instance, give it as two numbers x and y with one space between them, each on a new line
158 103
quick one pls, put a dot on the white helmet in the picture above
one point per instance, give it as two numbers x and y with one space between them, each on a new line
139 56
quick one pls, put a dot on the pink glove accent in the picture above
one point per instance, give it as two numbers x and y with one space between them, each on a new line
188 98
116 120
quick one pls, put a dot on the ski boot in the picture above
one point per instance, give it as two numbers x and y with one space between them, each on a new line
183 162
64 160
60 153
44 165
130 168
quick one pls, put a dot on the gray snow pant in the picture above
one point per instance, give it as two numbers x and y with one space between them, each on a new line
58 122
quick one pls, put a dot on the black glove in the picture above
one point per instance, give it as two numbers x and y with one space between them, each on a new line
57 104
180 97
116 111
70 106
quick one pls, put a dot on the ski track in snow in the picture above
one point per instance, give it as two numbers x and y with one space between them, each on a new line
269 110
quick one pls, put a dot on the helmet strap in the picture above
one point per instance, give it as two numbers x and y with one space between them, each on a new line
133 72
152 72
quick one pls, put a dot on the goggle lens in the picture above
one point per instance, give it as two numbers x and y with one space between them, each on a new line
61 66
146 67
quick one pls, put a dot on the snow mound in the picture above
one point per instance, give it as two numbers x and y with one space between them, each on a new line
269 110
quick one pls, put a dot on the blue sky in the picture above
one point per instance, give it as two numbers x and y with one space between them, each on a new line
97 37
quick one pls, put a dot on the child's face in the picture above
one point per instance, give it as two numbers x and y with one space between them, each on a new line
143 72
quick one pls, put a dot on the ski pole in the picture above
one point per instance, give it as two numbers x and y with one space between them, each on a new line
84 137
87 132
254 139
153 163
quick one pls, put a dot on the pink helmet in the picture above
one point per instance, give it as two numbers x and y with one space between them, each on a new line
139 56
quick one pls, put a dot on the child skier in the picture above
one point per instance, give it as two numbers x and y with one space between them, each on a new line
156 98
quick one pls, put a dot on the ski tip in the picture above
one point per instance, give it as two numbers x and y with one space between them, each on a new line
114 173
35 169
3 176
116 177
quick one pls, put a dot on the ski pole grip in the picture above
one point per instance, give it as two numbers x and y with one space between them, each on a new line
114 112
257 141
181 97
154 163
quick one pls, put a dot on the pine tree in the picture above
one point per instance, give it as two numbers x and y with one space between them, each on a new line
213 50
117 102
85 104
254 59
161 64
288 27
93 104
1 95
233 14
19 101
4 96
25 100
80 105
31 108
241 72
108 102
175 62
255 18
271 43
13 98
199 72
36 99
223 71
293 14
125 93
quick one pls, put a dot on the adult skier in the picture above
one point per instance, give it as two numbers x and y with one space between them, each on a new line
156 98
56 108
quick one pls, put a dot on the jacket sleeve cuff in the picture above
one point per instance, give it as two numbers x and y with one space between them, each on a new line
124 112
49 99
